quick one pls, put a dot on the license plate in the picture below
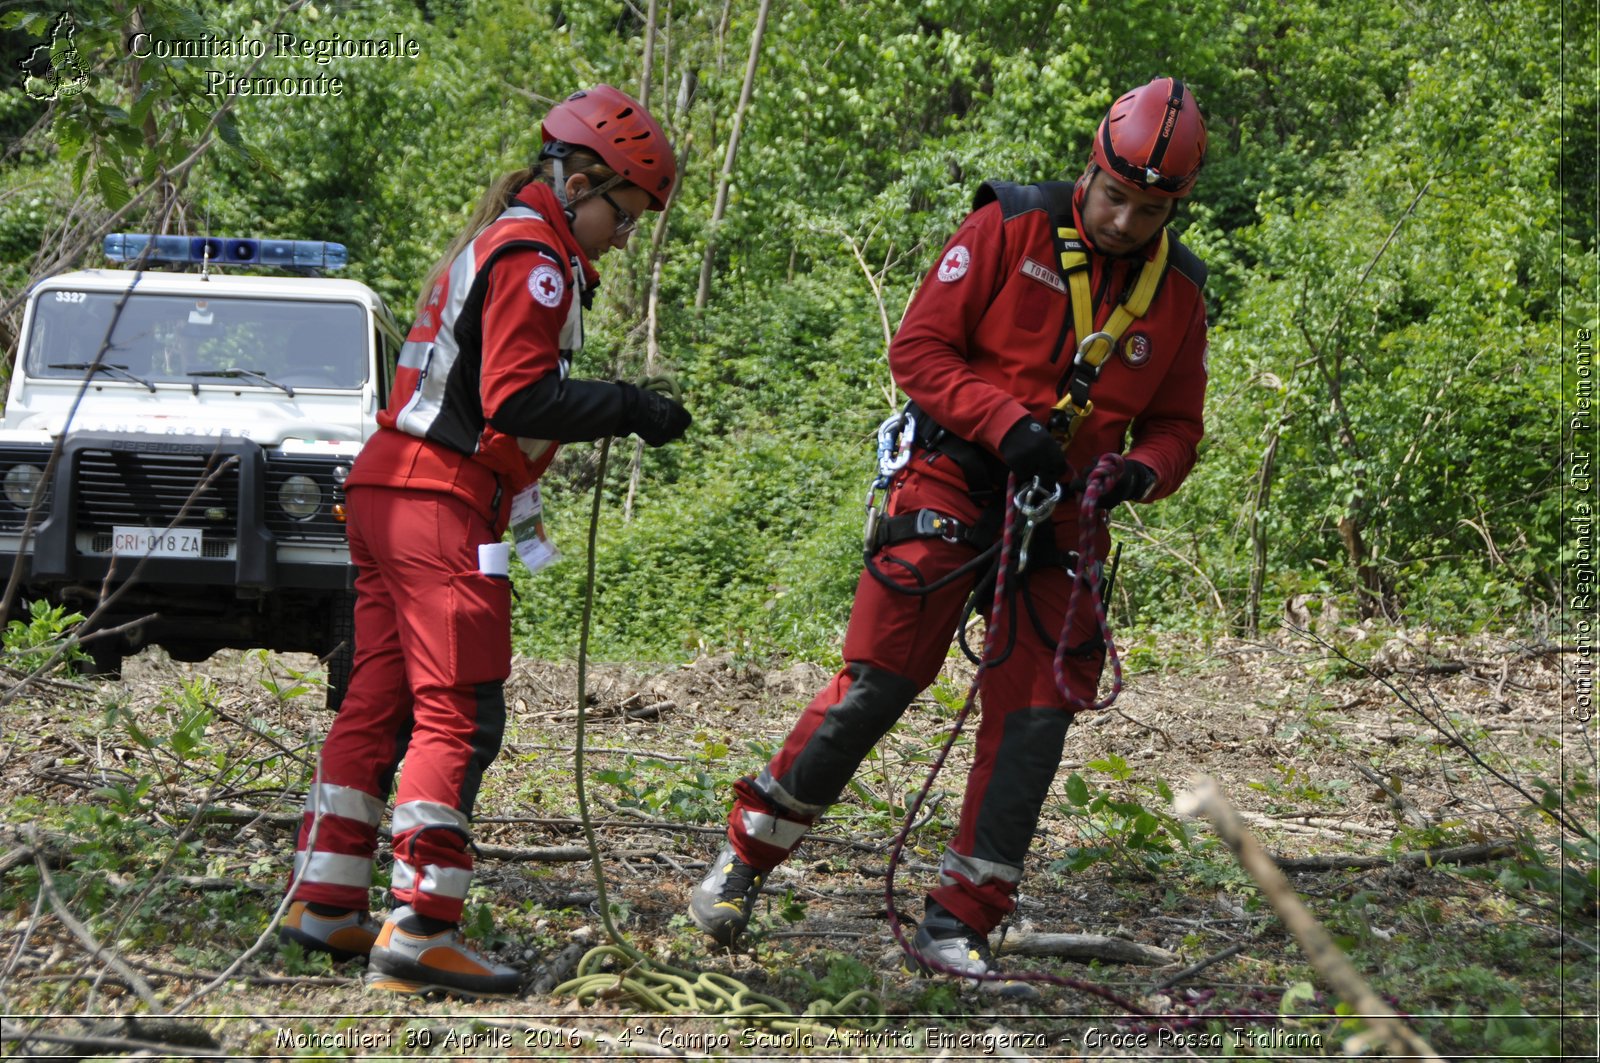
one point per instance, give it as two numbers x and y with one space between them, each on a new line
156 542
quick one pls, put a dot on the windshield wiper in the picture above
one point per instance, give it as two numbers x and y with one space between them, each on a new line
104 367
249 374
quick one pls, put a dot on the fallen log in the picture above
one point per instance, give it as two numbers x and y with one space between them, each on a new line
1087 947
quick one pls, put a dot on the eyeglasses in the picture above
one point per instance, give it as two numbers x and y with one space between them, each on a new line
626 223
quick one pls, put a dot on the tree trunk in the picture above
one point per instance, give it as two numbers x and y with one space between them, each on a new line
727 162
652 344
648 70
652 349
1371 595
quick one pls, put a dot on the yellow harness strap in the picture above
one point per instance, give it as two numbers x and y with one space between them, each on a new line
1095 347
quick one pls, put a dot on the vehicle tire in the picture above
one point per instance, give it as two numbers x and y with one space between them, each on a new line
105 658
343 647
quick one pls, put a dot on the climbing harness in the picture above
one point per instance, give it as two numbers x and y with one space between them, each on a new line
650 982
1099 480
1094 347
897 437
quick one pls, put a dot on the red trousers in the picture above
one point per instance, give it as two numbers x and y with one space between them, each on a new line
433 648
894 648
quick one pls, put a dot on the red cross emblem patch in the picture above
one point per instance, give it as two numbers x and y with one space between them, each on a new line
546 286
953 266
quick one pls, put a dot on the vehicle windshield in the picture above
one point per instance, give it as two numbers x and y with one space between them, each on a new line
170 338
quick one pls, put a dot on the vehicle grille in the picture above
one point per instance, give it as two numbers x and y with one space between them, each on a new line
151 490
141 489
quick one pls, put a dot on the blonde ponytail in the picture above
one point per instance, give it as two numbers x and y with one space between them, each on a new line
498 197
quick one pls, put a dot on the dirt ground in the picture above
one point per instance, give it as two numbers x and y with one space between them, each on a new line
1320 757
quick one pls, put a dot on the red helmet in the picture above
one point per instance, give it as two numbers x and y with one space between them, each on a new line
616 127
1154 139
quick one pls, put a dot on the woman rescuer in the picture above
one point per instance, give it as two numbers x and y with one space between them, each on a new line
1034 276
480 404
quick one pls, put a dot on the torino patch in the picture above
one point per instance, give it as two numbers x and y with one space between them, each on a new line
546 285
1043 274
954 264
1136 350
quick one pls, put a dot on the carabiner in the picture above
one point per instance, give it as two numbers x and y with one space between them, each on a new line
1035 505
895 436
1083 347
1034 502
869 534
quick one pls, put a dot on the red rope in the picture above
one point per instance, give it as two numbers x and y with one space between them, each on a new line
1090 520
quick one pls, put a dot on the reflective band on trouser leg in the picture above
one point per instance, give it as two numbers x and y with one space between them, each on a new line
782 834
339 872
415 815
345 801
333 878
436 881
432 866
966 873
761 830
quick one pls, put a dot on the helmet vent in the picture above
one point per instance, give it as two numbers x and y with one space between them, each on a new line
625 112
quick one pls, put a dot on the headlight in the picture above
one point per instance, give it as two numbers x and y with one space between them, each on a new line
299 496
22 484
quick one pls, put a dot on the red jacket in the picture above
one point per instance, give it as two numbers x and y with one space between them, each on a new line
974 350
481 399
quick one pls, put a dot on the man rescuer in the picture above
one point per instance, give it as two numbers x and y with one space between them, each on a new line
1044 294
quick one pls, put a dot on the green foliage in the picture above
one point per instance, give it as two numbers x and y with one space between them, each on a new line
1119 827
1390 257
689 794
1293 788
843 975
32 643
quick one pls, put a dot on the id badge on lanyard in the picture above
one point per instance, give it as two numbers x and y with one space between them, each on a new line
527 528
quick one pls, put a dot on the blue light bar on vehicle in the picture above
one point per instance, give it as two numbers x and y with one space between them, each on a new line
227 251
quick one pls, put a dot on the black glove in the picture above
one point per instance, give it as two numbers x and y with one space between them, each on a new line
651 416
1029 451
1133 484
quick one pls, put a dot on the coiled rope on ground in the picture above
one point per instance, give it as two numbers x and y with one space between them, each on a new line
649 982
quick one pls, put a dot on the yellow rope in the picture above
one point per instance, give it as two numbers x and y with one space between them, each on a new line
651 983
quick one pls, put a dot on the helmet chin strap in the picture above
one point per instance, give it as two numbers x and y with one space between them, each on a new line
556 152
559 173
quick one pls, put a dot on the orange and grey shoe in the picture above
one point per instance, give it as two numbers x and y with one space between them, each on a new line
413 955
720 905
343 934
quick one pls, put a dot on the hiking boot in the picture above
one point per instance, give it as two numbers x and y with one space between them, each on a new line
945 940
425 957
341 933
721 904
